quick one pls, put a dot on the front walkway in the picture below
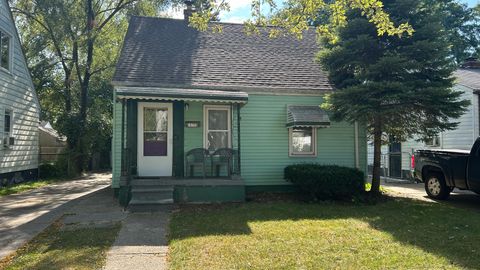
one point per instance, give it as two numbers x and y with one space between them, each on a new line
141 243
24 215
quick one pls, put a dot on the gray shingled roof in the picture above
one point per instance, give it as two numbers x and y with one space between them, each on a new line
168 53
468 77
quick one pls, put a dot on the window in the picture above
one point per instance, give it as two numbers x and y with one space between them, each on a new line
155 132
303 141
433 141
217 127
7 127
5 44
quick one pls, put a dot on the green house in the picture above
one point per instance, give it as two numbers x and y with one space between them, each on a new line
247 105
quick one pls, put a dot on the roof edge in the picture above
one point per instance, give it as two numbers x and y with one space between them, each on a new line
266 89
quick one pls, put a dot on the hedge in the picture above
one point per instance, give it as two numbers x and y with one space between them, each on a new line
322 182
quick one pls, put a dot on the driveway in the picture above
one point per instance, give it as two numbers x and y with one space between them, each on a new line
462 198
24 215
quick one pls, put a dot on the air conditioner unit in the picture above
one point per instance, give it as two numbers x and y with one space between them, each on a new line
8 141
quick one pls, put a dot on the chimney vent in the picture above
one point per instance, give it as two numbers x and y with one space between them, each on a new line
188 11
471 63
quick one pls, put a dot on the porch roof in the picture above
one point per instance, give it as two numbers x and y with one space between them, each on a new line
306 116
159 93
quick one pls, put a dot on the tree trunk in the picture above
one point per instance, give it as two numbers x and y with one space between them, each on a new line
377 152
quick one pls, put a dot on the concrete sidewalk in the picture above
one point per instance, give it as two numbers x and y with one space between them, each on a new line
141 243
24 215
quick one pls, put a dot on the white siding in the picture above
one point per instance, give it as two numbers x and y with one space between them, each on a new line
17 94
461 138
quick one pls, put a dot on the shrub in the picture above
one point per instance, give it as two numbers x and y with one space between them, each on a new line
321 182
47 171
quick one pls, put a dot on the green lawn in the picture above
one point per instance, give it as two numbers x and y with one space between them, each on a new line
26 186
397 234
57 249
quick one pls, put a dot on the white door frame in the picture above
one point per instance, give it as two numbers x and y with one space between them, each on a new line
154 165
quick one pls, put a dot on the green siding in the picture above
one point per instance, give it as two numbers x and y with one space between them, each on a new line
116 143
194 136
264 140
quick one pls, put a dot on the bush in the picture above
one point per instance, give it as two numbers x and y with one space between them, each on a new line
321 182
47 171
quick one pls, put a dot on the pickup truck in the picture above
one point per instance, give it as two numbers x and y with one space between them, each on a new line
443 170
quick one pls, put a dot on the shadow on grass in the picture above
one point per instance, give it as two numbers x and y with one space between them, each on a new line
58 249
437 228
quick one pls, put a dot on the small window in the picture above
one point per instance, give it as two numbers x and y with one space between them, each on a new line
5 44
303 141
7 127
217 127
433 141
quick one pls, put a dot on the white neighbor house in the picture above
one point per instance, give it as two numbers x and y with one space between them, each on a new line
398 165
19 107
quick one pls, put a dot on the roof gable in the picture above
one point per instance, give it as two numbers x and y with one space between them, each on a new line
166 52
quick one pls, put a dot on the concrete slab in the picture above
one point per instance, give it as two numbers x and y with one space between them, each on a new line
24 215
141 243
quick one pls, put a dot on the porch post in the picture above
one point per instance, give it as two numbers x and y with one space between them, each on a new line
123 168
238 140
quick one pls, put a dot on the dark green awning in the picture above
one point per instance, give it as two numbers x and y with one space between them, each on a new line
306 116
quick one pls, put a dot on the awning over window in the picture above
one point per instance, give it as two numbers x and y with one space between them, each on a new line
306 116
155 93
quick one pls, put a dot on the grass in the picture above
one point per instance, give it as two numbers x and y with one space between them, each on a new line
57 249
396 234
22 187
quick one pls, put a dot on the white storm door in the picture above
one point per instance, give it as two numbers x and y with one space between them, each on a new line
155 139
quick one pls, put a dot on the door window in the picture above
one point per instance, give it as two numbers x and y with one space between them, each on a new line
155 132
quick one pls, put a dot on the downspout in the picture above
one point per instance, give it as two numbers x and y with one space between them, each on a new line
357 158
238 140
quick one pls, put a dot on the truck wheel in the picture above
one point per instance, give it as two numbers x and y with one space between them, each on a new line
436 187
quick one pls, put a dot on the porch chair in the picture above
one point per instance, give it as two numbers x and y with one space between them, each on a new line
195 157
223 156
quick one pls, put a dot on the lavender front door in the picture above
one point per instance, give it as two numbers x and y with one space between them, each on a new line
155 137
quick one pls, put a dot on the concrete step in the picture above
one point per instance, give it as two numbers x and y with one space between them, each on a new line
148 182
136 208
136 201
151 189
152 197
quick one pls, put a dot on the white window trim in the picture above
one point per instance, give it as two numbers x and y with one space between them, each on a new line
10 52
3 133
308 154
436 143
206 108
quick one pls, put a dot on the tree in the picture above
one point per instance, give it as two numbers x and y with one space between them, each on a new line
396 86
72 45
463 26
296 16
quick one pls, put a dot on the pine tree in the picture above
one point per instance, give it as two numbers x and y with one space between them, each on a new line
395 85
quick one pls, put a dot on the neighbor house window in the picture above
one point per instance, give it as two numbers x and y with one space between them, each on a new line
5 47
303 141
7 126
217 127
433 141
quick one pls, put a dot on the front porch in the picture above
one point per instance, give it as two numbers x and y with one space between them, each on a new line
178 148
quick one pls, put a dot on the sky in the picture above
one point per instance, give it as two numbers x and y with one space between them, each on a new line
240 10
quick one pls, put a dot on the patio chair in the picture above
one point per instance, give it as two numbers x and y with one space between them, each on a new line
196 157
221 157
